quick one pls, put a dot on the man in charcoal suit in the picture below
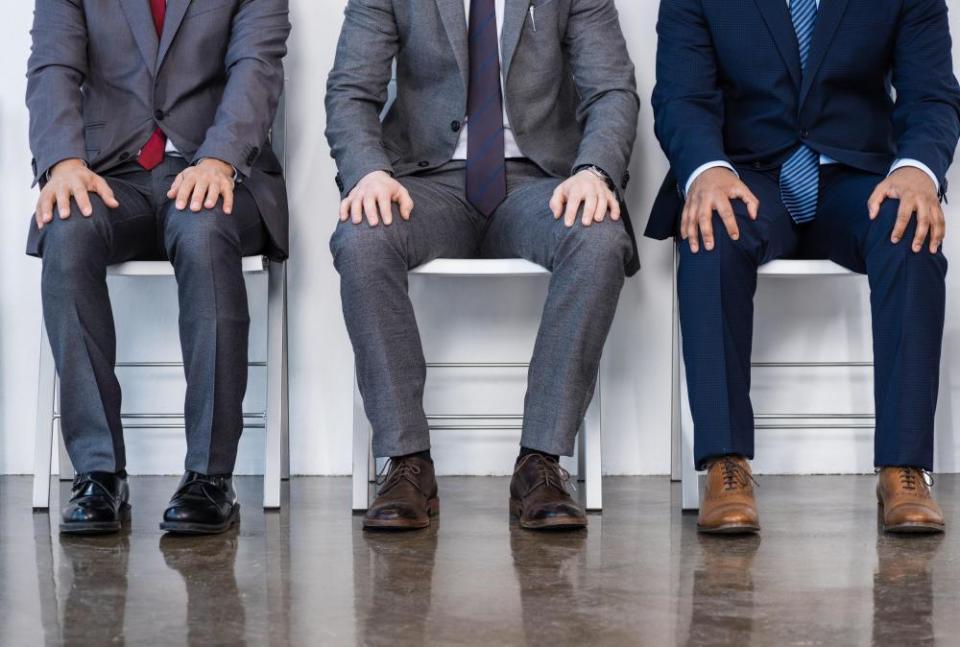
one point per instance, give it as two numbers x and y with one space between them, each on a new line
149 123
510 136
808 129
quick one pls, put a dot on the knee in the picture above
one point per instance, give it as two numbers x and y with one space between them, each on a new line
77 243
879 243
603 245
362 248
193 238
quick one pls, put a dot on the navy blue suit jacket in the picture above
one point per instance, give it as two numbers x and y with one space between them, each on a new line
879 86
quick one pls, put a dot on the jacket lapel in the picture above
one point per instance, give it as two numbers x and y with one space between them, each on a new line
828 19
514 15
776 14
144 32
171 24
455 22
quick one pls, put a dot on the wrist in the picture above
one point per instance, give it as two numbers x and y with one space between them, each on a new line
218 165
66 165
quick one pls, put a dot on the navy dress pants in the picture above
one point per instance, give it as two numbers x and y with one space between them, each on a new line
907 298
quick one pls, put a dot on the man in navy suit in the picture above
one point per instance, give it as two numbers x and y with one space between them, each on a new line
808 129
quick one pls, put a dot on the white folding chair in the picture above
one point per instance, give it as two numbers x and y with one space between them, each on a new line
683 420
274 420
591 432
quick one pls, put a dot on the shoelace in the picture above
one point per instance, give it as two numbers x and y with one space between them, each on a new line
735 475
908 477
396 471
191 487
81 481
550 472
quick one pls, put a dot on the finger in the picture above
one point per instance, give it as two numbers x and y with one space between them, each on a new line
227 193
63 202
876 200
903 219
356 209
184 191
213 194
746 196
175 187
344 209
370 210
693 233
602 206
589 209
557 201
725 209
570 213
386 208
705 218
614 207
199 192
103 189
83 200
45 206
923 228
684 220
406 204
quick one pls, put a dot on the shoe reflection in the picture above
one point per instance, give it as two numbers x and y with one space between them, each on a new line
723 590
393 584
207 564
551 570
96 598
903 590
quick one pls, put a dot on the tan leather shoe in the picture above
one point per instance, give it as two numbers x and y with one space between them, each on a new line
906 502
539 499
728 505
408 497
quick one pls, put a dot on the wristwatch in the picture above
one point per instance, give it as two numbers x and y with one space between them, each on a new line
599 172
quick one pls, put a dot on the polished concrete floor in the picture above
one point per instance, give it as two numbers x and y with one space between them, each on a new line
821 574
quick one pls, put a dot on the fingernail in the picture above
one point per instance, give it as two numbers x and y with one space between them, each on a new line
895 239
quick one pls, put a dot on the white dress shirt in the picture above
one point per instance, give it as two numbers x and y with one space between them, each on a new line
824 160
511 149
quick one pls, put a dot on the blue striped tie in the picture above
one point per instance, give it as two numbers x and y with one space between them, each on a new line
486 166
800 175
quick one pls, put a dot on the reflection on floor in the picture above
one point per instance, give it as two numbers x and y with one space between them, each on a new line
821 574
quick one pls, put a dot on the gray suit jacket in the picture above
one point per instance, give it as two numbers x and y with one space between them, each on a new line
100 82
570 89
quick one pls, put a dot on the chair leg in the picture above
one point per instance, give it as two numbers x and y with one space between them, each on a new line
591 448
285 386
361 453
690 479
273 434
676 426
45 429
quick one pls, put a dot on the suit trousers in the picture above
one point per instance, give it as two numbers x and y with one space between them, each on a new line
205 249
907 298
587 265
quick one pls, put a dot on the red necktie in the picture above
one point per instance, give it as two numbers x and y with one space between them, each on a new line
152 152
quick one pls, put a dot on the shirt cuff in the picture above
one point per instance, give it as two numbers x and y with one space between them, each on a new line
900 163
700 170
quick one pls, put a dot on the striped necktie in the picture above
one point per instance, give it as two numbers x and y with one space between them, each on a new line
486 165
152 152
800 175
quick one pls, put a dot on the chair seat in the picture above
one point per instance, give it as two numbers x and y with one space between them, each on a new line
164 268
480 267
789 267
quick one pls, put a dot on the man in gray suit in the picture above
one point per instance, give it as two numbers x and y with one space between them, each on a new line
510 136
149 123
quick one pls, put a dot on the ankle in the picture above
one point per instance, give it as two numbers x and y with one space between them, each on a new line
526 451
424 455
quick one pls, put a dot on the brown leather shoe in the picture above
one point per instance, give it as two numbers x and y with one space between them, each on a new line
408 497
539 499
906 503
728 505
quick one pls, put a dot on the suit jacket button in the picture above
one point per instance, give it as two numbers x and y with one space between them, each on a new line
455 126
124 156
804 133
158 115
423 164
757 165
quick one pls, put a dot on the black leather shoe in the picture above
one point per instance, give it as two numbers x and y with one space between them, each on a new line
202 505
99 504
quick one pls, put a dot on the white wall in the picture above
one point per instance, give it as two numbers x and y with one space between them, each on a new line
481 320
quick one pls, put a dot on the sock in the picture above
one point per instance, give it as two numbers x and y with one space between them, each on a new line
526 451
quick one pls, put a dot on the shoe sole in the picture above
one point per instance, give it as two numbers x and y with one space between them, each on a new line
97 527
730 529
556 523
189 528
433 509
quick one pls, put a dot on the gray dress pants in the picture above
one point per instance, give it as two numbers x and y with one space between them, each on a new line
587 265
206 249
